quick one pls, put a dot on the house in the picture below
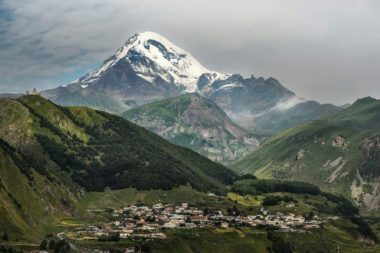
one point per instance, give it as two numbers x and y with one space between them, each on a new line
289 205
224 224
124 235
263 211
129 250
158 236
170 224
311 226
190 225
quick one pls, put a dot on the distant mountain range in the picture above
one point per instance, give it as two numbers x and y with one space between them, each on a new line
340 154
148 68
11 95
198 123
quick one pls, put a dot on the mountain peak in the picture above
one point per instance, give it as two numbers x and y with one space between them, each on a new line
148 35
152 57
365 100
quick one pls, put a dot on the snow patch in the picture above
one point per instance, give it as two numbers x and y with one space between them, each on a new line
230 86
147 78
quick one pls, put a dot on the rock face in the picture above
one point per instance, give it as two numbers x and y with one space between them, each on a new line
339 142
340 154
148 68
197 123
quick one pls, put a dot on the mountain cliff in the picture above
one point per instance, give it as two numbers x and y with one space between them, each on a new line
197 123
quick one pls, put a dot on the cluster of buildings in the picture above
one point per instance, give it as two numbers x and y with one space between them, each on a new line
143 222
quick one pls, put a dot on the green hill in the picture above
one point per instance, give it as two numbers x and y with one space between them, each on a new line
51 155
340 154
30 202
276 120
196 123
101 150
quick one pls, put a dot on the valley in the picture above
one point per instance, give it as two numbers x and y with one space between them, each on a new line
126 219
153 152
89 200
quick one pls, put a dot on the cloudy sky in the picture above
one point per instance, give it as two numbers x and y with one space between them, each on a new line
327 50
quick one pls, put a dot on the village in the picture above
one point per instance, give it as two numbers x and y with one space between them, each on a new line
147 223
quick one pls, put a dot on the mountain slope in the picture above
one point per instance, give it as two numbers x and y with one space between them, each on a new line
30 202
148 68
197 123
100 150
341 154
261 105
283 116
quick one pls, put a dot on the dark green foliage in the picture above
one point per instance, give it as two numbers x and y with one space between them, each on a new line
119 154
61 246
273 200
114 237
51 244
234 211
55 150
245 176
206 211
346 208
44 245
17 159
364 228
14 200
4 249
279 245
269 186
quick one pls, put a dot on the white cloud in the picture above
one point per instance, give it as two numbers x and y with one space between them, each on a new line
325 50
287 104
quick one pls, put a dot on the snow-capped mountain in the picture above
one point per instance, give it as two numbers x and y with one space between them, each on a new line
148 67
152 56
